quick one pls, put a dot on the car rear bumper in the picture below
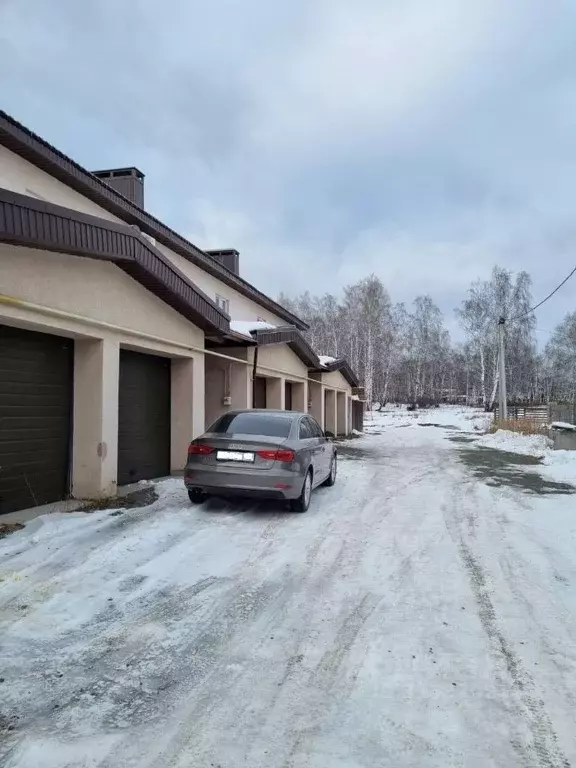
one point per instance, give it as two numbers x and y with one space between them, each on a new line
223 482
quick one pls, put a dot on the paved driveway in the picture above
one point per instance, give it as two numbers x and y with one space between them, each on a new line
415 616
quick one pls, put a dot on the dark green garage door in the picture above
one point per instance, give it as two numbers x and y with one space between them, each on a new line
143 417
36 371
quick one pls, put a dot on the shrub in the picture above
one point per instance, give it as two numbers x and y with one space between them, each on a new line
522 426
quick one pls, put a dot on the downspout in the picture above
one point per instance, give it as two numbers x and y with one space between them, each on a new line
254 369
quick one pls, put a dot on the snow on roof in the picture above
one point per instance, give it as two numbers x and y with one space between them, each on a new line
563 425
246 327
326 360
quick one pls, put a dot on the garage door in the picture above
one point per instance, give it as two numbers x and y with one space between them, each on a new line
288 396
36 375
143 417
259 392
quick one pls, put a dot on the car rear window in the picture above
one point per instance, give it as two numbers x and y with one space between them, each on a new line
270 425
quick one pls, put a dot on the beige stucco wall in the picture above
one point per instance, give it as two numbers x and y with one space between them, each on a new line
241 307
93 289
279 357
336 380
226 379
103 309
18 175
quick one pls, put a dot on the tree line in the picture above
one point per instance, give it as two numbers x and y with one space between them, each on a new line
405 353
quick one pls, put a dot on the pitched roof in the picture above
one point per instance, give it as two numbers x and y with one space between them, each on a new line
342 365
34 223
290 336
22 141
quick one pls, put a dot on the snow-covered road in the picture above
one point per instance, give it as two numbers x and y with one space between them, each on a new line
415 616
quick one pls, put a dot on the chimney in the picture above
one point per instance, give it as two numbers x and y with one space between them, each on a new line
128 181
228 257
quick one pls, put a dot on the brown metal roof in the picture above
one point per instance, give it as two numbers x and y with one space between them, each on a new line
26 221
31 147
342 365
293 338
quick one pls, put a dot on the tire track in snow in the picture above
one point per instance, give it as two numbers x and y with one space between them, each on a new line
544 751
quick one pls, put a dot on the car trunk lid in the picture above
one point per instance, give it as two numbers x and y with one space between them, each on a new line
240 451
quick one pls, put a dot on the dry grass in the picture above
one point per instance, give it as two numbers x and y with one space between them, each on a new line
6 528
522 426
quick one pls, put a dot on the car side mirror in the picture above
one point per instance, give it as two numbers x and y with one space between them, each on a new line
329 435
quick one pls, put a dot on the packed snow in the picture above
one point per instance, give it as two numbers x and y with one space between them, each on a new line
246 327
415 616
459 417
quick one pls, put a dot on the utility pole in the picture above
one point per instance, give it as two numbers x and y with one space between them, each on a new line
503 410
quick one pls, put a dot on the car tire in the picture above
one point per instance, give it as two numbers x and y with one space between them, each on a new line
331 479
197 496
302 503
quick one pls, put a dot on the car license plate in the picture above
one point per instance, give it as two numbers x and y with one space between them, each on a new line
234 456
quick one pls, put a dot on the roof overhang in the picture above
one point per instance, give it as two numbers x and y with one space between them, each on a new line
25 221
229 339
293 338
342 366
23 142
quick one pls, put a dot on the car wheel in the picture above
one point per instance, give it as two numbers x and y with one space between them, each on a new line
331 479
302 503
197 496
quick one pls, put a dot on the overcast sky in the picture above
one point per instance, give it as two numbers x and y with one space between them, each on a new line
423 140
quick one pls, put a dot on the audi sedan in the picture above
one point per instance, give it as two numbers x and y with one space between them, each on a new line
262 454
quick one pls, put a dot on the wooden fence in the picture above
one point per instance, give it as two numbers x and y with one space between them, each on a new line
565 413
541 415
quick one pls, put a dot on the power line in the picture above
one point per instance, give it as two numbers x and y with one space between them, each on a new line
518 317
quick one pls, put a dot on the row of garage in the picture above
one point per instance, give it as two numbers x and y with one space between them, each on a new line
36 417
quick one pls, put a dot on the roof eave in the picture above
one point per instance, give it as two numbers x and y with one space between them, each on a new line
19 139
341 366
293 338
32 223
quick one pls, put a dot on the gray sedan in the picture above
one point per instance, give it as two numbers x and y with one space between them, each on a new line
261 454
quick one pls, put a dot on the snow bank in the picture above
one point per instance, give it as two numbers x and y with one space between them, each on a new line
558 465
513 442
561 466
246 327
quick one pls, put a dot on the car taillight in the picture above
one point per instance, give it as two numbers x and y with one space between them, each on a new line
285 456
198 449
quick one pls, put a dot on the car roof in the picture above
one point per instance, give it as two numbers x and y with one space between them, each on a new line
267 412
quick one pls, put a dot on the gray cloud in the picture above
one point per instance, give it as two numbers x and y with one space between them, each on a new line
325 140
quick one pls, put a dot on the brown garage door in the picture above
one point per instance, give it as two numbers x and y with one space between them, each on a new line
259 392
36 371
143 417
288 396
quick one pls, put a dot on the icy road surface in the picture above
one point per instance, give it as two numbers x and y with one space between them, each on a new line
415 617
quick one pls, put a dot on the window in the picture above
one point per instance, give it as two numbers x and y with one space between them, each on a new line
268 424
305 430
315 428
223 303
